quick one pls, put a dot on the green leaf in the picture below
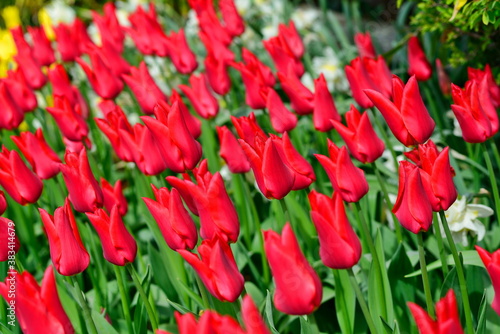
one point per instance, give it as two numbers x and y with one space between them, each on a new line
269 313
102 325
305 327
470 257
481 323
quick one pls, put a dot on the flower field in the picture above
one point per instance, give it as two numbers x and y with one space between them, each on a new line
247 166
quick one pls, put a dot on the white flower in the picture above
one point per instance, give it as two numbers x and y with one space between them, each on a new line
59 12
329 65
305 17
462 219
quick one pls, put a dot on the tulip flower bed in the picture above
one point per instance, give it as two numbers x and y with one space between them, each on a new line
208 174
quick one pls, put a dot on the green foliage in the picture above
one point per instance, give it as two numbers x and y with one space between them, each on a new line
467 29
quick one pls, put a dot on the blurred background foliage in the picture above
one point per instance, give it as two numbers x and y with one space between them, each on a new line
459 32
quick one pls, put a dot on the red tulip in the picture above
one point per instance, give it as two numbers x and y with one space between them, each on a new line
301 98
172 218
348 180
17 179
9 245
217 213
282 119
360 137
36 306
478 75
44 54
231 151
202 100
448 318
181 55
118 245
144 148
193 124
255 75
105 83
21 93
67 251
42 158
339 245
233 22
365 45
144 88
114 122
436 174
413 207
216 47
3 203
419 66
209 322
113 196
112 59
68 119
368 73
290 39
179 149
109 28
492 263
61 86
72 40
12 115
216 73
406 116
283 57
31 69
298 287
210 24
324 106
217 268
474 111
84 191
146 32
252 319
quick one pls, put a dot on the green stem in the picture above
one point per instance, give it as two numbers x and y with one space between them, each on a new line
439 239
144 297
362 302
312 323
425 276
460 274
366 232
381 182
493 181
286 213
85 307
124 298
387 141
345 315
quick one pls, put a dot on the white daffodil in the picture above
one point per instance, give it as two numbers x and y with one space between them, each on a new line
462 219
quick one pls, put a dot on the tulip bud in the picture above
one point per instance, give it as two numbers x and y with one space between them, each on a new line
298 287
492 263
174 221
301 98
17 179
436 173
419 66
324 106
406 116
364 44
67 251
360 137
281 118
448 318
231 151
201 98
110 30
84 191
44 53
12 115
347 179
217 268
412 208
37 306
113 196
339 245
20 91
118 245
42 158
233 22
181 55
252 319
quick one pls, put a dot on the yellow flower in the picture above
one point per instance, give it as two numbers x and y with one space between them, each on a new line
7 52
46 23
11 17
